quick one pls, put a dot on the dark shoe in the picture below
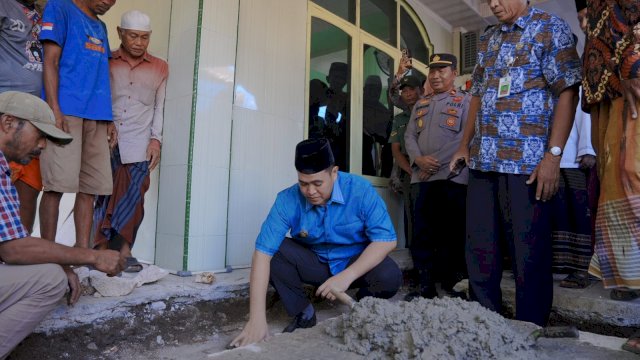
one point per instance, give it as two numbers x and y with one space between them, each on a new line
299 322
427 294
457 294
633 343
623 294
412 295
576 280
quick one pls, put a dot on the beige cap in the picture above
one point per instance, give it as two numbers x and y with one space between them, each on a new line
135 20
36 111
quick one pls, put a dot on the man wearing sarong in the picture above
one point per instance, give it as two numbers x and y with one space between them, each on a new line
611 93
138 85
611 86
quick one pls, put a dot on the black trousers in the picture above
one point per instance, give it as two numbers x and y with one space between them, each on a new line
503 206
438 243
295 265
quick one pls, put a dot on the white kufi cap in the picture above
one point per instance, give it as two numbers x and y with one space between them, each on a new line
135 20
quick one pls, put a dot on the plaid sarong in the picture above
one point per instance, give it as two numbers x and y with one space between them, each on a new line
121 213
617 232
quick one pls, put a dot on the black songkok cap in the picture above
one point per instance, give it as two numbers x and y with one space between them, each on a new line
581 4
313 156
409 80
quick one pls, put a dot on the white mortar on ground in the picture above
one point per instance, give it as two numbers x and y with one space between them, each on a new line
447 328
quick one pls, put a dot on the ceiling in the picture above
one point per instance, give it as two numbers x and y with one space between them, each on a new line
474 15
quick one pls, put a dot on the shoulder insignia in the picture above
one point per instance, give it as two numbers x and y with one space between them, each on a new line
451 121
421 112
424 101
420 123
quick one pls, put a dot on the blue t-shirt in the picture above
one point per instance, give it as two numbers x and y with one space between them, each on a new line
84 88
354 216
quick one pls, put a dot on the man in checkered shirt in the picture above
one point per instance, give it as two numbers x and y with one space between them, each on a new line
32 282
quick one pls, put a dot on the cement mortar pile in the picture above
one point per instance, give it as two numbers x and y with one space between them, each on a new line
446 328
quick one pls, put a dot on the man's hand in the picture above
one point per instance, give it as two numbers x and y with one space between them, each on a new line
428 163
631 93
153 154
404 65
112 135
587 161
253 332
61 121
547 175
74 285
337 283
424 175
110 262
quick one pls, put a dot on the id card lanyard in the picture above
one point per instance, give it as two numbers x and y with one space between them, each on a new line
504 85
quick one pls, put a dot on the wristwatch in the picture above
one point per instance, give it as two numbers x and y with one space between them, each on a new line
555 150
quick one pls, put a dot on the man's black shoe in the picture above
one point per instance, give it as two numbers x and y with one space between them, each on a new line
427 294
299 322
412 295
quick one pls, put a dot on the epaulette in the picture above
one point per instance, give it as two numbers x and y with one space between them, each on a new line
420 112
423 102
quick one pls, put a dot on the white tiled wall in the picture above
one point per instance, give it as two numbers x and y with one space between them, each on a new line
212 135
173 165
268 115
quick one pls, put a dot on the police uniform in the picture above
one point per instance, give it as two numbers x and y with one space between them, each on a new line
436 128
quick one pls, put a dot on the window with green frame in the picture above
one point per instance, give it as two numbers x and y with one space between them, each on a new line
355 47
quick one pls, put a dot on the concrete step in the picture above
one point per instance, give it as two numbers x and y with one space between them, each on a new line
177 311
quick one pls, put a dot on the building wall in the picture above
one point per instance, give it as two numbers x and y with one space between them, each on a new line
249 112
268 115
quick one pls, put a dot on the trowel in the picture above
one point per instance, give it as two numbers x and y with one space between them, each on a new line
555 332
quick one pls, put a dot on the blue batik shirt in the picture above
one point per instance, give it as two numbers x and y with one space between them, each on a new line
353 217
538 53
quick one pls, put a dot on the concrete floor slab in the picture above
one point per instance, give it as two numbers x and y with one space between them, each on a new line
173 293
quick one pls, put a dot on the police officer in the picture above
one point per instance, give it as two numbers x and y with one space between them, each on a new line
432 136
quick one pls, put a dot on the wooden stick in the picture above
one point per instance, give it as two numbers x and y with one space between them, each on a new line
344 298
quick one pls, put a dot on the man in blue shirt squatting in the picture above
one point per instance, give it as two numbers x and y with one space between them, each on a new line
341 235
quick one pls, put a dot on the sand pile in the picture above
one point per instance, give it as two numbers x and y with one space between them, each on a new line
446 328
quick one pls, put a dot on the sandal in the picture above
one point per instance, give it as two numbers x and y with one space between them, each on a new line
623 294
576 280
633 343
133 266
